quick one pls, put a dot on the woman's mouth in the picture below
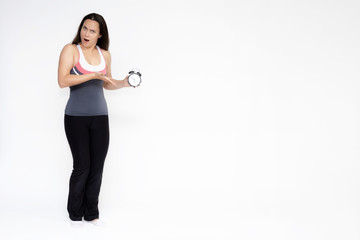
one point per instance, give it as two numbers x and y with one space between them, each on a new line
86 40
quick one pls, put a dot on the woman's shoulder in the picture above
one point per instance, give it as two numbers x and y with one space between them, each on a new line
106 53
68 53
70 46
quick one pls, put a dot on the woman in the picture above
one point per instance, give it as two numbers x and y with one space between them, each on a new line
85 67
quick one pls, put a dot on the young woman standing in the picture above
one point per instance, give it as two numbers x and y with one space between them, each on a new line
85 67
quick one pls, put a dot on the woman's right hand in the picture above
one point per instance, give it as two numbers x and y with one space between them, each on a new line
101 76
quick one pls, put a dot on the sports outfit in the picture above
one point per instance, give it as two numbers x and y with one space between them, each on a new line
87 131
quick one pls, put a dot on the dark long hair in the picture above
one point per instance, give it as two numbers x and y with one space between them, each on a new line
102 42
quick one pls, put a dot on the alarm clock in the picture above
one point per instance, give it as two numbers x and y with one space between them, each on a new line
134 78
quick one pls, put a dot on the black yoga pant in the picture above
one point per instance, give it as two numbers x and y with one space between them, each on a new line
88 137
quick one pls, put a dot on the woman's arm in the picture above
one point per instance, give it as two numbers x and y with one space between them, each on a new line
66 63
117 83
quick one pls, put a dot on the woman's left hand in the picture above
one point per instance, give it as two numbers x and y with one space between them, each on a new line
119 83
126 82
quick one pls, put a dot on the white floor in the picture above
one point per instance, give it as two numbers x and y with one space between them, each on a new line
205 215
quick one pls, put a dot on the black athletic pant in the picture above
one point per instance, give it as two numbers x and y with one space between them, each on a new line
88 137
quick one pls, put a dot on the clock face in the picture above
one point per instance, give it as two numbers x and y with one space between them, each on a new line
134 80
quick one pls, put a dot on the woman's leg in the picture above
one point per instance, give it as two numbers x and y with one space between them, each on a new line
78 135
99 143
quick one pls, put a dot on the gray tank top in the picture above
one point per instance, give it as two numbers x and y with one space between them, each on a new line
87 98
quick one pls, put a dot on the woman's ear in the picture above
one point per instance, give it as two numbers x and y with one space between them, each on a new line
100 36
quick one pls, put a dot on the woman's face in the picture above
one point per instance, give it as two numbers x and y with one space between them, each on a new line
90 33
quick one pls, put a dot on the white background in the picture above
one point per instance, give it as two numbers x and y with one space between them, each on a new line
246 125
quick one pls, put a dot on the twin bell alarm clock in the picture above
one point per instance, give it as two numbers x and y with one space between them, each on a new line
134 78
